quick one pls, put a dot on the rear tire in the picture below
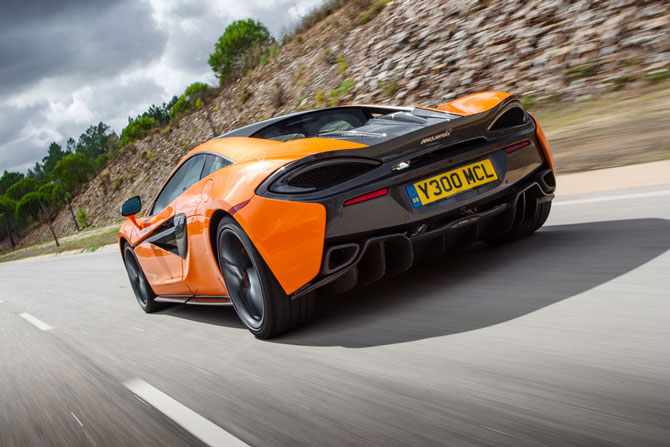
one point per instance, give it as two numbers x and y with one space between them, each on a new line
258 298
138 282
525 228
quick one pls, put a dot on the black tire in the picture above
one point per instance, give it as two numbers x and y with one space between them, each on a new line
257 297
138 282
525 228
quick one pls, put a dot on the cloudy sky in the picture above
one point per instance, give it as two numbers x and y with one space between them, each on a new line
67 64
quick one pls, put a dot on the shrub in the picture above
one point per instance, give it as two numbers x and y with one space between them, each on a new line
329 57
527 102
137 128
373 11
580 71
315 16
346 87
83 218
182 104
319 98
389 86
657 75
245 95
342 65
278 95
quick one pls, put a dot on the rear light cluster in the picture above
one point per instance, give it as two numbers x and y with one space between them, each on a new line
322 175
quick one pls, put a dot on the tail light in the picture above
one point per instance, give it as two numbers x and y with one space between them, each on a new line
516 147
368 196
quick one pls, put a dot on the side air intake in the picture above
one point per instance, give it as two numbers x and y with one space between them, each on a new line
511 118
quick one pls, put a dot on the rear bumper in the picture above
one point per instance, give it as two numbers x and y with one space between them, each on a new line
367 258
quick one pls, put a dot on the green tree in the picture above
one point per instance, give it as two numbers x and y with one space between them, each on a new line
93 142
37 173
8 179
54 155
21 188
28 209
58 194
161 113
182 104
71 145
231 50
74 170
8 208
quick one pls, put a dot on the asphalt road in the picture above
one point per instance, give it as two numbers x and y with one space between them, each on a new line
559 339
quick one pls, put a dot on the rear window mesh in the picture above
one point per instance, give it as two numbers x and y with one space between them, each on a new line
325 176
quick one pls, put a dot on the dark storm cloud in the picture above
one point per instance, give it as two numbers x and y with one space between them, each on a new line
68 64
86 39
18 152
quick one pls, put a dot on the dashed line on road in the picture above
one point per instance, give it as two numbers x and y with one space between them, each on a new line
76 418
138 329
205 430
612 198
35 321
494 430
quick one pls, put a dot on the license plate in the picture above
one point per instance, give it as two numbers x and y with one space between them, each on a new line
451 182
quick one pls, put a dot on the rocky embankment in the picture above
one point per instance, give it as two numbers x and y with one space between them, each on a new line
414 52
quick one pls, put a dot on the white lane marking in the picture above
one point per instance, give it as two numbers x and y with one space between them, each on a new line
203 371
36 322
1 301
497 431
75 416
205 430
640 195
138 329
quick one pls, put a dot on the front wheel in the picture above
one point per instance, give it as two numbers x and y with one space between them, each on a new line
257 296
138 282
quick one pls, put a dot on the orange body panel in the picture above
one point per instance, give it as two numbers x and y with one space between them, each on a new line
162 269
476 103
545 145
288 235
201 269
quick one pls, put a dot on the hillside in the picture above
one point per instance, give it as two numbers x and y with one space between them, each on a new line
414 52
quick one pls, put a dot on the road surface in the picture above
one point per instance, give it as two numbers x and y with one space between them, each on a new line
559 339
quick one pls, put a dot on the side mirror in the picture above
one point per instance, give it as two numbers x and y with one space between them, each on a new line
131 207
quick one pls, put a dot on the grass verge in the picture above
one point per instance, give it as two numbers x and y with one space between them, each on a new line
85 243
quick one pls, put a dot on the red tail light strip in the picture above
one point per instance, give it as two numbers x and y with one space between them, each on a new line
516 147
368 196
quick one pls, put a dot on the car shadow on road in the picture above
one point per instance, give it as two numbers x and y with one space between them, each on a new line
484 285
216 315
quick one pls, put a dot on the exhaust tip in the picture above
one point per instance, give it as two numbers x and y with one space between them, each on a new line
338 256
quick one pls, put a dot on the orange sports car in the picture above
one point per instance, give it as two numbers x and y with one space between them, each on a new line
264 216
